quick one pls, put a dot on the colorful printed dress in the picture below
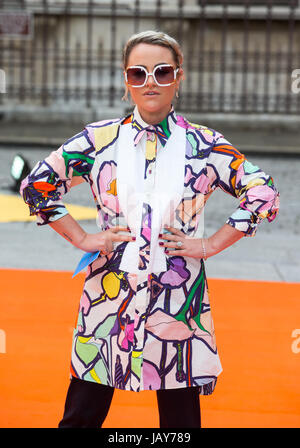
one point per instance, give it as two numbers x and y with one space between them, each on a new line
144 318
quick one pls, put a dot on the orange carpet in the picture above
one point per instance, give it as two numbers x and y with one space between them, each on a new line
258 335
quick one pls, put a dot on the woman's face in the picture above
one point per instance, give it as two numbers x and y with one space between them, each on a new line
153 101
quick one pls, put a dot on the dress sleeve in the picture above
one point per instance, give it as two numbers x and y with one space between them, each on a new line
50 179
234 174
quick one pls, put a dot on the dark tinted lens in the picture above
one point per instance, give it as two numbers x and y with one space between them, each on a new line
164 75
136 76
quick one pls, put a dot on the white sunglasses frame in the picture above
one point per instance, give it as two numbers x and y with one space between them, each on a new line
152 74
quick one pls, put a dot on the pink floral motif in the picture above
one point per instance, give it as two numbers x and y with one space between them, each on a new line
55 159
261 192
126 335
132 280
181 122
146 228
211 174
201 184
274 210
107 187
151 378
24 184
240 173
167 328
188 175
84 303
207 135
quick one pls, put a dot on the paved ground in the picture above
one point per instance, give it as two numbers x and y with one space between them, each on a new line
272 255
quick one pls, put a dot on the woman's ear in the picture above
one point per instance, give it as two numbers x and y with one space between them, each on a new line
180 77
125 96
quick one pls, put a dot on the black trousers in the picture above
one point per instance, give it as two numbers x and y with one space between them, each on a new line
87 405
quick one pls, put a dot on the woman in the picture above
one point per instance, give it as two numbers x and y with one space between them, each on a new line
144 318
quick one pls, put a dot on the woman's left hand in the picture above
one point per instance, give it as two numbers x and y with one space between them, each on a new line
188 247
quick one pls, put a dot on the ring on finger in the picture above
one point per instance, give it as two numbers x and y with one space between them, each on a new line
179 243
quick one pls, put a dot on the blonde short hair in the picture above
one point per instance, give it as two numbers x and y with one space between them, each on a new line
153 38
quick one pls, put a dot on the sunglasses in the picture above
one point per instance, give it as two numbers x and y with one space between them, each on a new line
164 75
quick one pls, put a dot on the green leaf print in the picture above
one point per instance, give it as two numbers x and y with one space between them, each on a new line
105 328
85 351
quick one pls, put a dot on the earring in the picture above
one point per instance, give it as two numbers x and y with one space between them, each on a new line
125 96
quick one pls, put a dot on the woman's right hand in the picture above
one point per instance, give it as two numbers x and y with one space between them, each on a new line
103 241
71 230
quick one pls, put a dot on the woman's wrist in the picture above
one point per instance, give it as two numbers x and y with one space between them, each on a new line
82 241
207 248
69 229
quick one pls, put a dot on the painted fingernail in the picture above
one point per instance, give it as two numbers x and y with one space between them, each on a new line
161 243
133 238
166 251
160 235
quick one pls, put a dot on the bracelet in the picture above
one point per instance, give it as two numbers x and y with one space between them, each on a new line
203 249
